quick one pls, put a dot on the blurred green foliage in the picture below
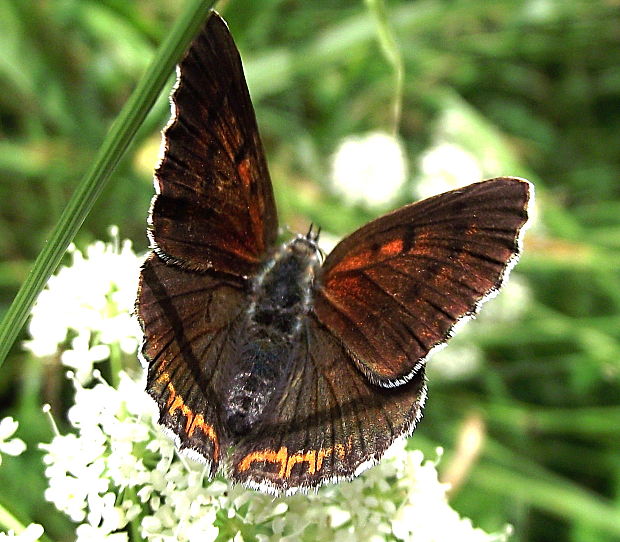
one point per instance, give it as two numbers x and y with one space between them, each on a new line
543 75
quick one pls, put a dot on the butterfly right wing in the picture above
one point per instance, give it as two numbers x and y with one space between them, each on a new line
395 289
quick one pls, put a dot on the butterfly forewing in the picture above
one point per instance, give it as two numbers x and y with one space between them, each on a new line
395 288
215 206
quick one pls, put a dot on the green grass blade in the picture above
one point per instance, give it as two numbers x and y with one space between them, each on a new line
114 146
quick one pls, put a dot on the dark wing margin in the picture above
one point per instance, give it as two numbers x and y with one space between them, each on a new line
329 422
188 320
395 289
214 207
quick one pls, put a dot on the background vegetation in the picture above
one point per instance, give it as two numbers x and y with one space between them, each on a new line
542 76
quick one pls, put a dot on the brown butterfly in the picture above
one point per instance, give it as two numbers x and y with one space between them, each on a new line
283 370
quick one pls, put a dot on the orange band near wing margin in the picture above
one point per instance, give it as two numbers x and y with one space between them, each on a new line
314 458
194 421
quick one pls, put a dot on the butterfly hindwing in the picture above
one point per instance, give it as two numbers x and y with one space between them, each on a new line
328 423
214 207
395 289
189 321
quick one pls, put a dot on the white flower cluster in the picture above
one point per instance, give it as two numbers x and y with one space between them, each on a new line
86 307
32 533
120 472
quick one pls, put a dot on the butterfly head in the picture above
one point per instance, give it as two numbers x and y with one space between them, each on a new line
309 243
305 248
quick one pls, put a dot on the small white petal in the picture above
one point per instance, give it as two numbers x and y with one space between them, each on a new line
8 426
14 446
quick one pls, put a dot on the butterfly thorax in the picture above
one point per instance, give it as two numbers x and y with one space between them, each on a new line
282 294
281 298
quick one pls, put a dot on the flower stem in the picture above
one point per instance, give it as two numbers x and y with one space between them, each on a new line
393 56
9 522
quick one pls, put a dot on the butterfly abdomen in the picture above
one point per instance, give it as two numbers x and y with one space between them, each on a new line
252 387
281 297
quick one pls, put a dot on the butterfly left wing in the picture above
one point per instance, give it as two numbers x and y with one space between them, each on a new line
395 289
328 423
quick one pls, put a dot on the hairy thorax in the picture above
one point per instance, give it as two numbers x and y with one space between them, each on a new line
281 298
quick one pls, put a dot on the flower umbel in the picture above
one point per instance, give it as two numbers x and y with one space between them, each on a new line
32 533
369 169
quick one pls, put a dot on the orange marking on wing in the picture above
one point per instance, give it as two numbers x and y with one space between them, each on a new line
365 257
172 395
178 404
472 231
193 421
270 456
313 458
301 457
354 262
163 378
340 451
161 371
393 248
199 422
244 170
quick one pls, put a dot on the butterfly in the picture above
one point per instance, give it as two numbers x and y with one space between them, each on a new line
272 364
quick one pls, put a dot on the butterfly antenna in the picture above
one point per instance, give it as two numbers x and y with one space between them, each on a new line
313 236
